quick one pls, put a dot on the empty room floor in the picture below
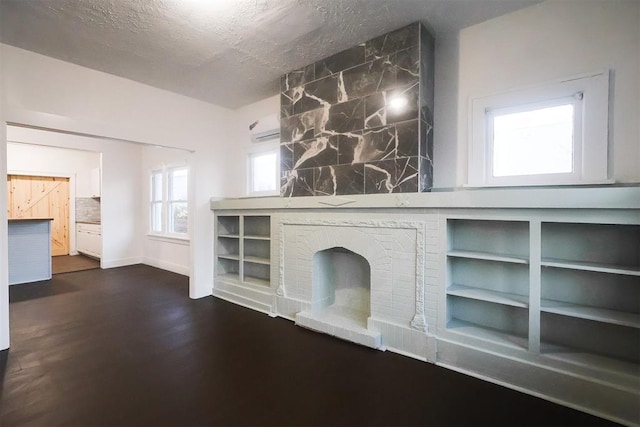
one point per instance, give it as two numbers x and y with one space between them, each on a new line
127 346
70 263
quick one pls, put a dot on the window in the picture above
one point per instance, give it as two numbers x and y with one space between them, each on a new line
263 172
555 134
169 212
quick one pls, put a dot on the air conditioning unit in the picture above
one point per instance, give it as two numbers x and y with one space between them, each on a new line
265 129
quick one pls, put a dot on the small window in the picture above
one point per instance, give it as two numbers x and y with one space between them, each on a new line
263 172
549 135
177 200
169 212
533 140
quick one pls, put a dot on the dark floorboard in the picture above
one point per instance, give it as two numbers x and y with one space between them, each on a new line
70 263
127 346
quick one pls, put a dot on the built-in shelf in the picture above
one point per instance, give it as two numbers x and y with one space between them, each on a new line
578 290
487 334
590 360
257 260
591 292
585 276
256 281
244 249
592 266
229 277
487 256
514 300
257 237
591 313
229 236
488 280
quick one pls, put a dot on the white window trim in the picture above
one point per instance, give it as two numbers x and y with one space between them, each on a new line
591 140
165 235
178 239
265 148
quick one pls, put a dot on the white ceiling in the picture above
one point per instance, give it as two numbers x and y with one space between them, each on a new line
227 52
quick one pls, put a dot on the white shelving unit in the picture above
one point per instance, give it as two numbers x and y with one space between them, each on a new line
244 249
590 290
228 247
553 291
487 292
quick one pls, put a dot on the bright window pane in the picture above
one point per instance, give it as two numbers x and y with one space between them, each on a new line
178 184
533 142
156 186
178 217
264 172
156 216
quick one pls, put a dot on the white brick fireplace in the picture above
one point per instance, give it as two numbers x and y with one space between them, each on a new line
392 250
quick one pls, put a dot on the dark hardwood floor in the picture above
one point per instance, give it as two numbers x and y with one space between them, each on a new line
127 346
70 263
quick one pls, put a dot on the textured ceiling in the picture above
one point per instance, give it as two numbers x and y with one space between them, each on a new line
227 52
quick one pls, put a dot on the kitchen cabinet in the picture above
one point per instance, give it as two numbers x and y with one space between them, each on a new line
89 239
29 244
88 183
94 181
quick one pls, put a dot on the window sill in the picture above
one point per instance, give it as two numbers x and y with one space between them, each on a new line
179 240
550 185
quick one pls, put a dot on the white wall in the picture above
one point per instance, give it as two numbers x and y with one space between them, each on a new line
28 158
445 114
168 254
121 187
551 40
242 145
48 93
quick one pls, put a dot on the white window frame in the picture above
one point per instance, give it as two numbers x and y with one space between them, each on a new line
590 96
165 171
267 148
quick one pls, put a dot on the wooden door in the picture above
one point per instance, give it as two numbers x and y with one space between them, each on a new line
42 197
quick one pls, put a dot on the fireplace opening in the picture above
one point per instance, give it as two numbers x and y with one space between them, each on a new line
341 284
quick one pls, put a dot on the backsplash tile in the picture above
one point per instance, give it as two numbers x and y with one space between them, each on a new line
88 210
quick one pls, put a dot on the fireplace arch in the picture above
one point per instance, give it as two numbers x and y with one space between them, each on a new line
342 283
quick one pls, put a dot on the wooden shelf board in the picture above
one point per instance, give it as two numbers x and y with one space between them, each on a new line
505 298
257 260
591 266
591 360
233 277
591 313
487 256
229 256
487 334
256 237
256 281
229 236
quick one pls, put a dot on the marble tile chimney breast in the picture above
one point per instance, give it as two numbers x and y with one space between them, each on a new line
360 121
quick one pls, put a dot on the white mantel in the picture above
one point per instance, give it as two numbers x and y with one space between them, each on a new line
606 197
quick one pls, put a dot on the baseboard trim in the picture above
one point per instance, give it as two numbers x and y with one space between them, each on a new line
242 301
168 266
564 388
122 262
